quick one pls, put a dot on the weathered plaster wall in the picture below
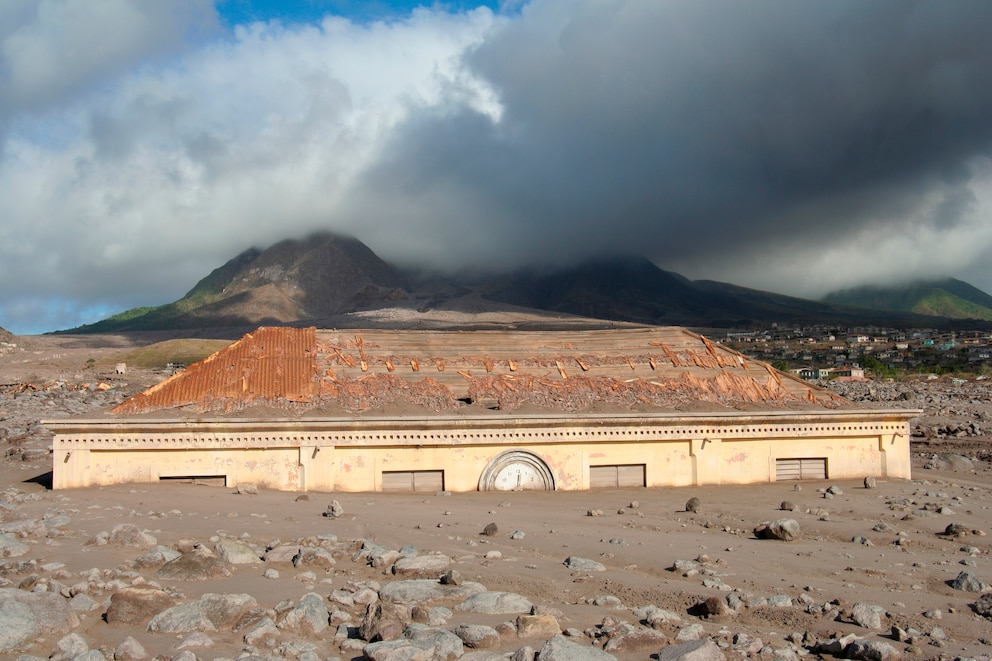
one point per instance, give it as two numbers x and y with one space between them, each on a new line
348 455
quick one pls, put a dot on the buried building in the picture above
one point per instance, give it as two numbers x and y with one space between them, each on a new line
386 410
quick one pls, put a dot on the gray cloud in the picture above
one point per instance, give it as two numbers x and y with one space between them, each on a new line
796 147
688 130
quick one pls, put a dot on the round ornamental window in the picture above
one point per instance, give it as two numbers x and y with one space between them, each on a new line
517 471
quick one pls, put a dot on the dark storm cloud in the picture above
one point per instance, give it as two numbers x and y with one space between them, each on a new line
685 130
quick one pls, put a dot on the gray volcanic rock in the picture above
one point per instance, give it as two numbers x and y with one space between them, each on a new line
137 604
197 565
418 642
871 650
420 591
477 636
983 606
639 638
693 650
11 547
28 615
308 616
430 565
282 553
560 648
576 563
537 626
208 613
384 621
952 462
969 583
496 603
868 616
130 650
785 530
127 534
235 552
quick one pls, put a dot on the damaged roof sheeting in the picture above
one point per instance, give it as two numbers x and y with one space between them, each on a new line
664 367
269 365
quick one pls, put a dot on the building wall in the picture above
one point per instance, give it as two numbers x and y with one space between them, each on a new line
339 455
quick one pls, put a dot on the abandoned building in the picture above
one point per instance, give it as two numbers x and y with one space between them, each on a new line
386 410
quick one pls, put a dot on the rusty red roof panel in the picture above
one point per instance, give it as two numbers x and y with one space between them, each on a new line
440 370
271 364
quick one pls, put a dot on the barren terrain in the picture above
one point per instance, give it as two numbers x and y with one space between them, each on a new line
858 547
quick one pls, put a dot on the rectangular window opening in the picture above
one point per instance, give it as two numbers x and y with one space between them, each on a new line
800 468
200 480
617 476
416 481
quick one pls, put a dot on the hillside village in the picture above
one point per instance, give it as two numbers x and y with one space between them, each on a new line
818 352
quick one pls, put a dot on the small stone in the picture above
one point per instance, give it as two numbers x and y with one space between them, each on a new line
787 506
835 490
870 482
491 530
693 505
246 489
334 510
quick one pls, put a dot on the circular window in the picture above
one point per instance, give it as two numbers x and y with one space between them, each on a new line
517 470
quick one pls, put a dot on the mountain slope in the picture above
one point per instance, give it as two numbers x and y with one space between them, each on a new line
318 279
293 280
944 298
634 289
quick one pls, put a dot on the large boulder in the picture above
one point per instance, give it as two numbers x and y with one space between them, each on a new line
197 565
137 604
211 612
308 616
785 530
417 643
868 616
984 606
422 591
537 626
25 616
384 621
128 534
430 565
236 552
496 603
11 547
969 583
576 563
560 648
692 650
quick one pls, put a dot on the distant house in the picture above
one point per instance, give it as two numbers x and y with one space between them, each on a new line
813 373
303 409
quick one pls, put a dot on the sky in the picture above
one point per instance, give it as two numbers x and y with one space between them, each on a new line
795 147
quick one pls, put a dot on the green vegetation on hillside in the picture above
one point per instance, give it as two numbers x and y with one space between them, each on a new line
944 298
160 354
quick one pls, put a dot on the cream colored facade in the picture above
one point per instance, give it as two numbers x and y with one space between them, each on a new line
468 453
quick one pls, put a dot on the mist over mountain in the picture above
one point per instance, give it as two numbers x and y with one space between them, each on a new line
317 279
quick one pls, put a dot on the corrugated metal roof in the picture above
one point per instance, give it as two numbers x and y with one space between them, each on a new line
566 370
268 365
